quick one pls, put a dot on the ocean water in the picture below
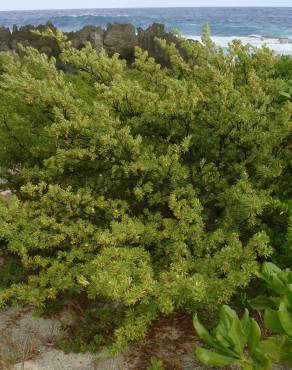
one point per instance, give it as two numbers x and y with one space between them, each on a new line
258 26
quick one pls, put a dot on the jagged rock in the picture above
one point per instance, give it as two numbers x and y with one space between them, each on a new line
117 38
27 37
91 34
120 38
146 40
146 37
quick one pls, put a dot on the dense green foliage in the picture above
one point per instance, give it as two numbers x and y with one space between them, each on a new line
230 339
239 342
149 188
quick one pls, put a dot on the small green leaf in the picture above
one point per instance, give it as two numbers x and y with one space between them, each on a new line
286 95
212 358
202 331
277 285
272 321
231 330
238 337
223 339
262 359
227 316
254 336
205 335
245 322
276 279
278 349
261 302
269 269
285 317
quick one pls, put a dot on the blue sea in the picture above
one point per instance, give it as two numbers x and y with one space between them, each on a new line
269 26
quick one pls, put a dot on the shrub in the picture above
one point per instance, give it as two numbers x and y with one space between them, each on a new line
284 67
148 188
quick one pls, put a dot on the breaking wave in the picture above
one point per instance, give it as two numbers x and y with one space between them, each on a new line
280 45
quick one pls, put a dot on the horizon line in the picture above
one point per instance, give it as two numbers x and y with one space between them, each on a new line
148 7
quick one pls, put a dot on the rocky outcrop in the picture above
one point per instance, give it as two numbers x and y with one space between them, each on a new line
120 38
116 38
146 40
94 35
26 36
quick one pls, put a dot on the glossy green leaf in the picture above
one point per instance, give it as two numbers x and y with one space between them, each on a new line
221 345
285 316
237 335
226 317
279 349
269 268
202 331
211 358
277 279
262 360
254 336
272 321
285 94
262 302
277 285
245 322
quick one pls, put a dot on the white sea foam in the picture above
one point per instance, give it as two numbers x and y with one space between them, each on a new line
80 15
92 15
281 45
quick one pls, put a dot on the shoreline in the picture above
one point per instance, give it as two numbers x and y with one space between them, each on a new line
280 45
123 37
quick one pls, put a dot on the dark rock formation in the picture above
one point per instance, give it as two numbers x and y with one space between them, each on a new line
117 38
120 38
94 35
26 36
146 40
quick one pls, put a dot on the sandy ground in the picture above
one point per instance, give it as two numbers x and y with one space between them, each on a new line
29 343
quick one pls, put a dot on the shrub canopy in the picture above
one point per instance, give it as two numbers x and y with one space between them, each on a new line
151 188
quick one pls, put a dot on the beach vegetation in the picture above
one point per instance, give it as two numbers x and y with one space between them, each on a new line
142 189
